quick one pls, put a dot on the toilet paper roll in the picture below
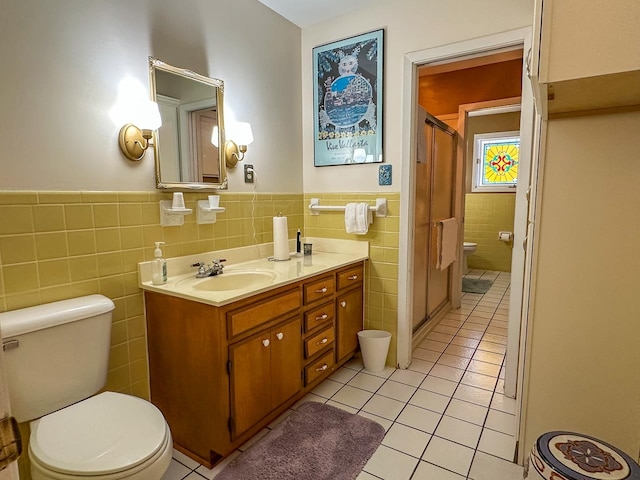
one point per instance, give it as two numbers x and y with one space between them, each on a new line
280 239
505 236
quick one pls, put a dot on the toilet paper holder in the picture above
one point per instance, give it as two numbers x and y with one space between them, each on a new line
505 236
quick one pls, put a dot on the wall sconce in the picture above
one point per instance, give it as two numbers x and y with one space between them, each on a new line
235 149
134 138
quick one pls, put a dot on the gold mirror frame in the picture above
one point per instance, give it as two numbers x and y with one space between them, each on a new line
163 184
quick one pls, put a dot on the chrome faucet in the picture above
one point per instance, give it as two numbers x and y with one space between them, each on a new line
215 268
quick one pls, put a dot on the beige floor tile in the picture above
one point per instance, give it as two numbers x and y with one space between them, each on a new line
390 464
366 382
501 422
416 417
473 395
397 391
469 412
384 407
407 440
439 385
427 355
484 368
459 431
488 357
421 366
479 380
498 444
428 471
408 377
449 455
453 361
430 400
351 396
460 351
488 467
465 342
446 372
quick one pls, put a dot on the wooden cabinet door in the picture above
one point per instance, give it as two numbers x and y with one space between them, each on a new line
349 315
286 362
266 371
250 381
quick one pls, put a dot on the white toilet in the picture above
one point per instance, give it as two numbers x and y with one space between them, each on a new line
469 248
56 357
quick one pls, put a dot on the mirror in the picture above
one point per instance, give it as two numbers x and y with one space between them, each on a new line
191 105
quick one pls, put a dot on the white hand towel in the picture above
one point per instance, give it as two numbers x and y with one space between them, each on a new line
357 218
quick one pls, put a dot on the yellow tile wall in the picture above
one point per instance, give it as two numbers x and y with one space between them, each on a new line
381 292
59 245
486 214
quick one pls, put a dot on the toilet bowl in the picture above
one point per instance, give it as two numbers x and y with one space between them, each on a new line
56 359
469 248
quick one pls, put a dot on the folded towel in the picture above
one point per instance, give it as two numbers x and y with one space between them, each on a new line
447 242
357 218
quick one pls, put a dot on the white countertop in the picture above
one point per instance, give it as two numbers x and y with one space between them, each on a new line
181 279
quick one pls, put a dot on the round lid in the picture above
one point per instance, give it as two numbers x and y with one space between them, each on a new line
107 433
580 457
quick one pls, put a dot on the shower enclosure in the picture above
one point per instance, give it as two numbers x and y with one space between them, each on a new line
434 201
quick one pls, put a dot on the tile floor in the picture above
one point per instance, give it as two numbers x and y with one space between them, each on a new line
446 417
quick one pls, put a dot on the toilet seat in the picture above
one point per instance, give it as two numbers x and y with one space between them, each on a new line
110 435
469 245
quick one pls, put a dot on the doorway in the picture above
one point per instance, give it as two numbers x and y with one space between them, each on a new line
441 55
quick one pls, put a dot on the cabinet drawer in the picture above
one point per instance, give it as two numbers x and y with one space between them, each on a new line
244 319
319 341
350 277
319 367
319 316
319 289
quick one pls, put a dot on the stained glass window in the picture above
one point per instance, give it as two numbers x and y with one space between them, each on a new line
496 158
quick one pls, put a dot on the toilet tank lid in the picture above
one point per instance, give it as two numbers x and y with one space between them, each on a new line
30 319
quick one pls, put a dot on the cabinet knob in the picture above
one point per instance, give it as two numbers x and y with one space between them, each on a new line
323 341
322 368
266 342
353 277
324 316
343 304
322 290
279 335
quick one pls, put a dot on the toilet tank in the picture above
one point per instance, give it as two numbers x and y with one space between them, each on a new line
55 354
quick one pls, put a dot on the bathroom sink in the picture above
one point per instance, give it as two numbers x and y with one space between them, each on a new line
233 280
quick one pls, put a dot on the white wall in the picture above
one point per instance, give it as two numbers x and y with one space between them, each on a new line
410 25
62 61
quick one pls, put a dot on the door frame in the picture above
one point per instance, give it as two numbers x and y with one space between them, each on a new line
443 54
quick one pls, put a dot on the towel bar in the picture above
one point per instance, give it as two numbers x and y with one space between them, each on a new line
380 209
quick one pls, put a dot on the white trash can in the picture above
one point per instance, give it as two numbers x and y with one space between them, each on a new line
374 345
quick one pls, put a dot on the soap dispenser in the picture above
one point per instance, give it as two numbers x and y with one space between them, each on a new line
159 266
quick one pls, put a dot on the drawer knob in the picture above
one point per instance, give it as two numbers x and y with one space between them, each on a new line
343 304
323 341
322 368
353 277
279 335
265 342
324 316
322 290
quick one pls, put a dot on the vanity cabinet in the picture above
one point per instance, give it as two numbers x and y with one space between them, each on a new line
584 56
220 374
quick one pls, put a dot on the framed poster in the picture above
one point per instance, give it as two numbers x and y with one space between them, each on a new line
347 100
